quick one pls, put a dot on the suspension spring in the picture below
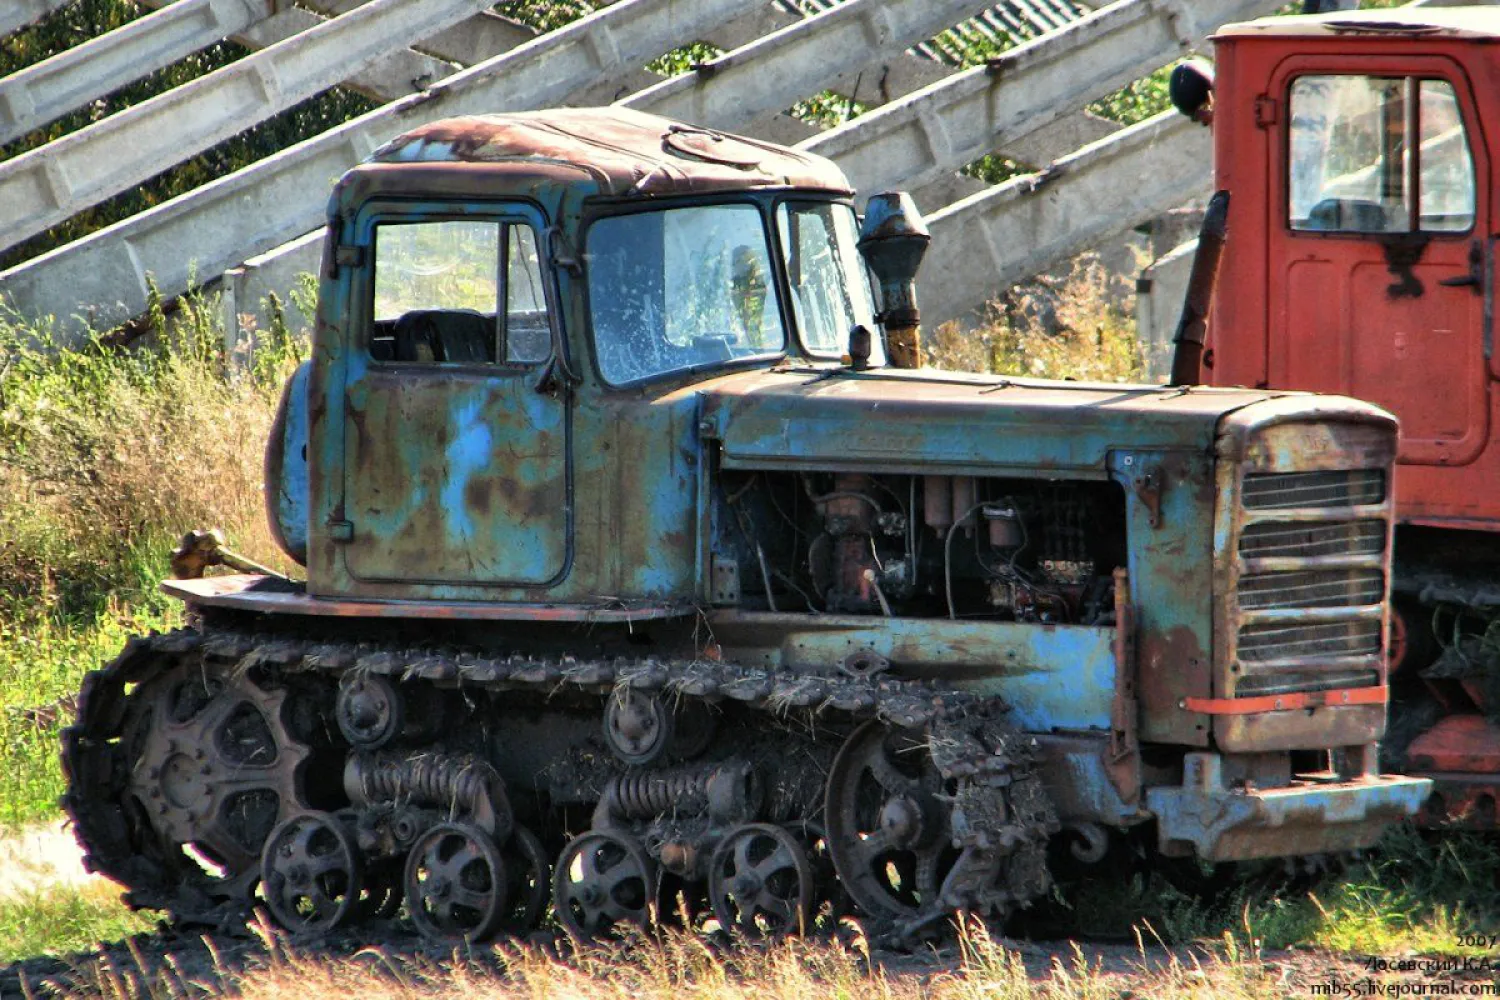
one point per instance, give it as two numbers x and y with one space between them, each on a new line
727 791
462 785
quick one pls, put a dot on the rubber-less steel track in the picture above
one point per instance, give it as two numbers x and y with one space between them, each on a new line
999 823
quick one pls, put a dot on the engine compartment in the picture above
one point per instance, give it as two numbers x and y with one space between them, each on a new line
920 546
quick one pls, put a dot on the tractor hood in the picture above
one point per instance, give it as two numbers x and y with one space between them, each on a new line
922 421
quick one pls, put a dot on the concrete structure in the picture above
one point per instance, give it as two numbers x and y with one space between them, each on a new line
45 91
916 141
102 278
761 78
989 242
19 13
45 186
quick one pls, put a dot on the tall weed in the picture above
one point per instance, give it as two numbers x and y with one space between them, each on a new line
1061 329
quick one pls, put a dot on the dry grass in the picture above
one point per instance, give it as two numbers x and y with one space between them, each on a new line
112 454
679 966
1054 329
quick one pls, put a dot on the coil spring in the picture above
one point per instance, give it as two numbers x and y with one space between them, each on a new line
725 788
440 780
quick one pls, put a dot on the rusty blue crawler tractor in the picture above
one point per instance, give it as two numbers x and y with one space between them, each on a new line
642 556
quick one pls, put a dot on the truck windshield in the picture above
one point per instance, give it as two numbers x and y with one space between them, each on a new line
830 295
681 288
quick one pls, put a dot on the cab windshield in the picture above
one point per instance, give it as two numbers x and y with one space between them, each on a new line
681 289
830 293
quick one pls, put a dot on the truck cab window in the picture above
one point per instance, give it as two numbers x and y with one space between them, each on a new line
679 289
1378 155
830 294
443 296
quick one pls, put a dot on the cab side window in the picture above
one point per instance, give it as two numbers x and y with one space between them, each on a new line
1384 154
459 292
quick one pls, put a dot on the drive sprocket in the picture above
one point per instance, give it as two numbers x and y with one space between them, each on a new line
179 767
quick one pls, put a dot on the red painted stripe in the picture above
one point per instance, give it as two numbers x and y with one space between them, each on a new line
1286 702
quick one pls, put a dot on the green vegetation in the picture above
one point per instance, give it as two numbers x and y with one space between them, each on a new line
61 920
111 455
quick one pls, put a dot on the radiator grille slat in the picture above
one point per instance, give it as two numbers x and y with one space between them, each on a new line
1271 491
1312 589
1273 538
1281 642
1288 681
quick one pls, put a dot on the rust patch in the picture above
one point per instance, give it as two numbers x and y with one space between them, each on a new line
1173 666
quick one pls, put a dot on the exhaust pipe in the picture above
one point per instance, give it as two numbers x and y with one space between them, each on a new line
1192 328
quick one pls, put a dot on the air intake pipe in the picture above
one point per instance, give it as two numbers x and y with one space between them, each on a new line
893 241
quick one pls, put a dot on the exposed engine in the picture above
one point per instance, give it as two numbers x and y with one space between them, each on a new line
923 546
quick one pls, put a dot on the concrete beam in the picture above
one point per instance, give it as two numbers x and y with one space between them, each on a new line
101 278
772 73
984 244
1159 294
936 130
733 101
17 14
43 187
45 91
470 41
389 78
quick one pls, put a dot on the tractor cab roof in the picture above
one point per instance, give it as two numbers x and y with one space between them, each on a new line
1481 23
622 153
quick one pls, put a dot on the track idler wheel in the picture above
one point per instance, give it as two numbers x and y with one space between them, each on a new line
887 822
455 884
761 883
603 879
311 875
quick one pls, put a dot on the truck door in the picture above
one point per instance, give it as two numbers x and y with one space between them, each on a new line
456 445
1379 254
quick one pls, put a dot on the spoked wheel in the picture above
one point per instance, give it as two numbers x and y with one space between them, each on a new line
602 879
826 886
888 830
760 882
455 883
310 875
528 869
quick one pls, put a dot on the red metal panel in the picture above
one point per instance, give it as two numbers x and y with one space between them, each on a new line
1459 743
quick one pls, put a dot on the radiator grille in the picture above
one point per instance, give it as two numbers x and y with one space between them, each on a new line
1338 642
1275 490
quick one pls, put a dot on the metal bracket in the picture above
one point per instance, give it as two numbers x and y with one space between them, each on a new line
1266 111
1149 487
341 531
726 581
348 255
